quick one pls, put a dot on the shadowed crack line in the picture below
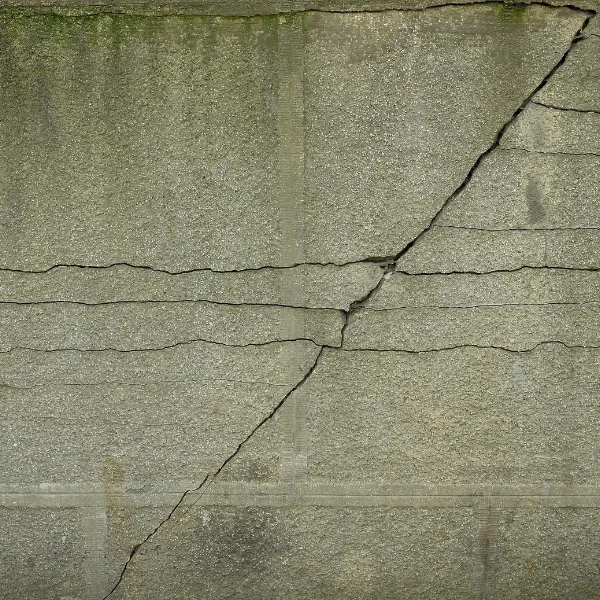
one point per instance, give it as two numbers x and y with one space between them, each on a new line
211 477
474 346
523 229
564 109
178 9
490 305
547 153
493 271
183 272
390 265
160 348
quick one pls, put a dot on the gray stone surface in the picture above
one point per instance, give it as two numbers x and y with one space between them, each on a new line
310 552
178 142
516 327
176 414
541 129
155 325
311 286
527 286
445 250
41 555
576 85
396 113
550 553
464 416
180 195
522 190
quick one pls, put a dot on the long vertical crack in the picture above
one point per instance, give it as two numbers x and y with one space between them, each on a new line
388 265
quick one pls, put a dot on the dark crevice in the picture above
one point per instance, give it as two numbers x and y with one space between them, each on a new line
186 271
211 477
475 346
564 109
523 229
492 271
160 348
186 9
547 153
213 302
466 307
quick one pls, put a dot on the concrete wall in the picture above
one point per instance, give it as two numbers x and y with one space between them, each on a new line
299 302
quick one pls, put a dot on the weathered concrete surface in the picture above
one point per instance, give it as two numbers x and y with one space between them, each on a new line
577 84
313 552
155 325
541 129
447 250
310 286
201 399
183 143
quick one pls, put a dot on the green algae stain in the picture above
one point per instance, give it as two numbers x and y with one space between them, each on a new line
512 13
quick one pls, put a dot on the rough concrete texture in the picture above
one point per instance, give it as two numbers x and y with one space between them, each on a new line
310 286
299 300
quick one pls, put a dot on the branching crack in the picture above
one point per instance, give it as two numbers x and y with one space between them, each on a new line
388 265
564 109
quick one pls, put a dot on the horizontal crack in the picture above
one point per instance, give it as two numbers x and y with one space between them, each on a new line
159 348
461 307
546 153
183 272
475 346
523 229
185 9
492 271
564 109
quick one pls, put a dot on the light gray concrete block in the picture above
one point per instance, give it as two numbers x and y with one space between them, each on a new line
311 286
42 554
576 84
396 113
155 325
521 190
464 416
170 415
527 286
180 142
541 129
516 327
551 553
308 552
445 249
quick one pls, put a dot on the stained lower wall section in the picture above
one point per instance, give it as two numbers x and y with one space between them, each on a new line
300 306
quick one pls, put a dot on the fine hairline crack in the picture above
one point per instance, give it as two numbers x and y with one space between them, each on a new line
390 265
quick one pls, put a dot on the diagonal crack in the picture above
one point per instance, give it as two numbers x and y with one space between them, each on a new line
210 477
388 265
